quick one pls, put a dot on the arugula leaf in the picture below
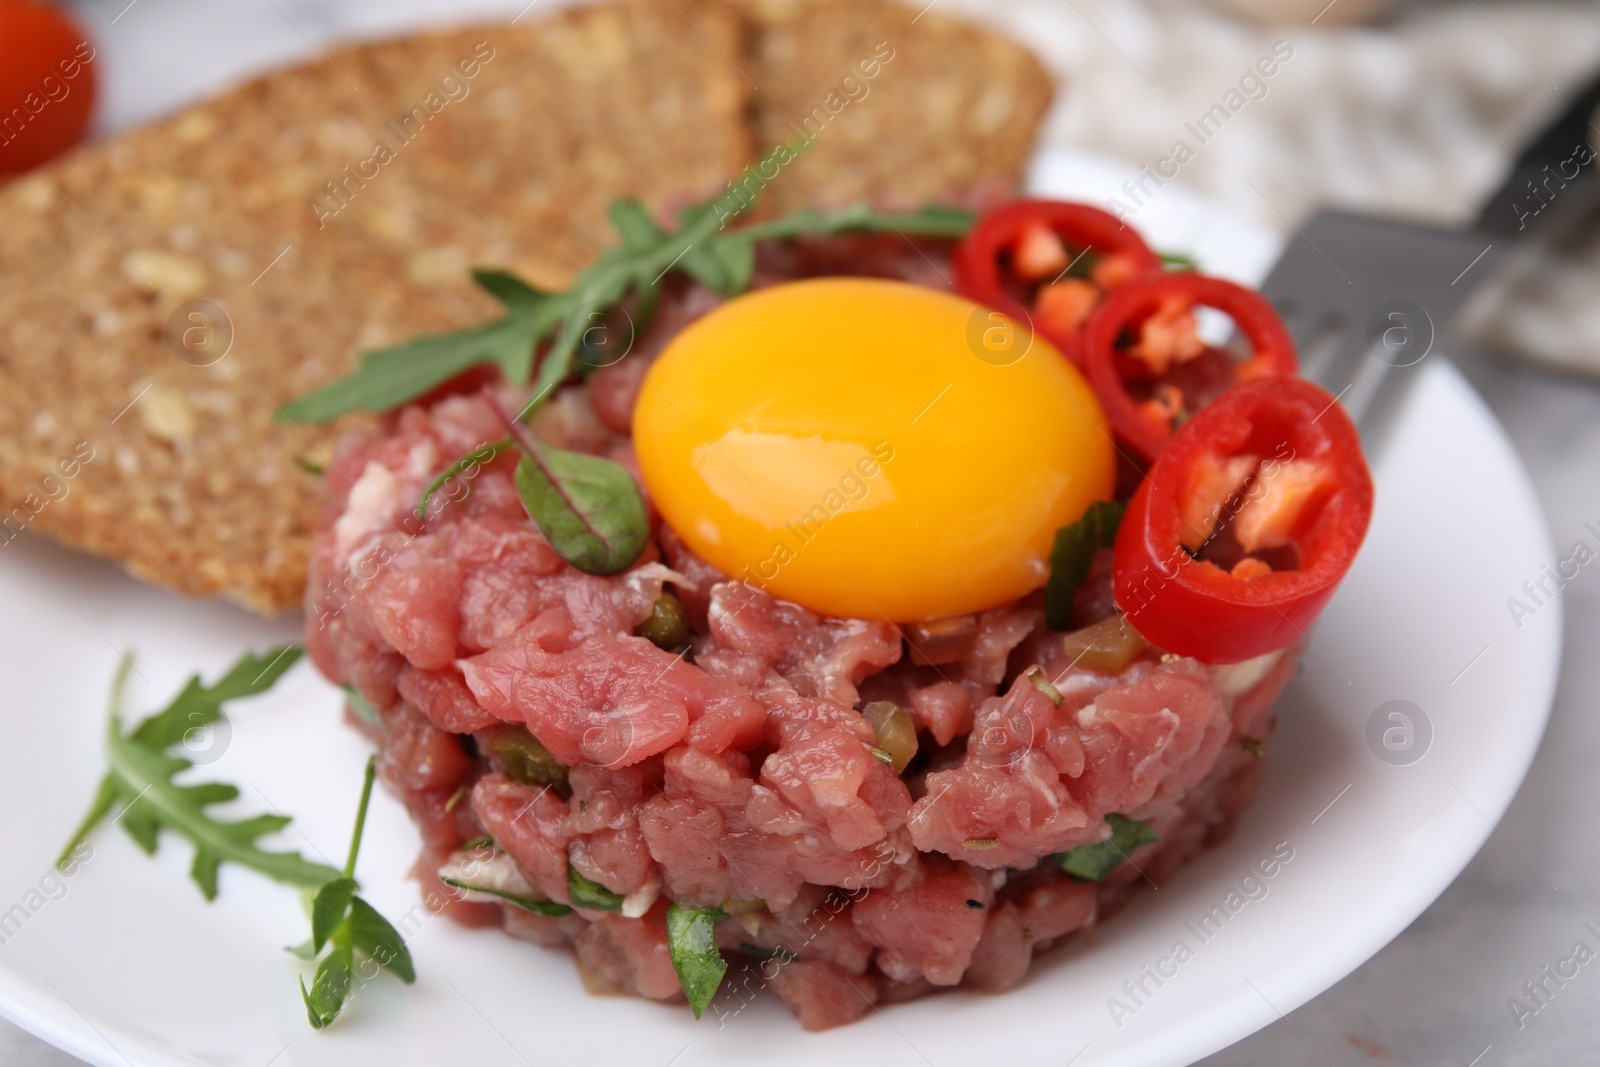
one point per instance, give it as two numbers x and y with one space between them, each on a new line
702 247
588 507
1070 556
388 377
592 895
633 221
1091 863
692 943
344 922
200 705
141 776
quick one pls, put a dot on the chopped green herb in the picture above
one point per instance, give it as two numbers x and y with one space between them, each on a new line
141 773
360 706
1091 863
703 246
692 942
344 923
1071 555
478 842
1179 261
592 895
762 953
533 904
308 465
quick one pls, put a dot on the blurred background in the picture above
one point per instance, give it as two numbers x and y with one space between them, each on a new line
1406 107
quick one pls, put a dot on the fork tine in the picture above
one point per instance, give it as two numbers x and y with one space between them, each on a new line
1365 296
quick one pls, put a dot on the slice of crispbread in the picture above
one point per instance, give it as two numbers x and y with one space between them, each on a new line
504 146
274 204
900 104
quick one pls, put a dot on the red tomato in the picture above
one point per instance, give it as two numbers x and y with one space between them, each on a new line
1246 524
1150 369
1014 257
47 83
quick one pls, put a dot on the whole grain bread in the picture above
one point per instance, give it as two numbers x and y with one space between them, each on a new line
899 104
337 206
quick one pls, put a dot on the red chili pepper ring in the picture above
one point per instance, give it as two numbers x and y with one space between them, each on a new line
1149 367
1246 524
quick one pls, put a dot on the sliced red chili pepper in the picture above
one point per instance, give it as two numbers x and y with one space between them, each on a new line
1149 367
1246 524
1014 258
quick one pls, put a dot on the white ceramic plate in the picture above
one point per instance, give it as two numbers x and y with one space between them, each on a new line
124 964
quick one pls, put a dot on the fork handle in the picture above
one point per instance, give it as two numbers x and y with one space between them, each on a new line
1559 163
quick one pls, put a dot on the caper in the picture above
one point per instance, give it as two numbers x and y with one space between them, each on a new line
527 761
668 625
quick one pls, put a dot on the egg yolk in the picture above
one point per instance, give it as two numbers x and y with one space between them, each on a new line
870 448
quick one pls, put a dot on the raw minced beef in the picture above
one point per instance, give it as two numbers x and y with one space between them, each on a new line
740 772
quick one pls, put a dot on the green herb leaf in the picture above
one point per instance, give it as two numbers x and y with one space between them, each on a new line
1070 557
328 910
377 937
1091 863
592 895
325 999
1179 261
538 907
587 507
692 943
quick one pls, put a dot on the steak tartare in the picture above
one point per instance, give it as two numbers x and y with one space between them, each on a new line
878 812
